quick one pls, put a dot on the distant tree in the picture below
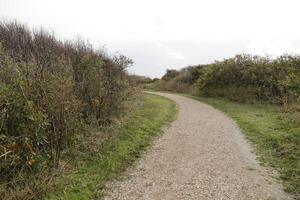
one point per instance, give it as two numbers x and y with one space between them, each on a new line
170 74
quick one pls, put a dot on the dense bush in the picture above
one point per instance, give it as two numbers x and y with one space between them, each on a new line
252 77
170 74
140 80
50 91
183 81
241 78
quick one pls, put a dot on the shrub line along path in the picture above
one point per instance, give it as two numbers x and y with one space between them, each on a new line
202 155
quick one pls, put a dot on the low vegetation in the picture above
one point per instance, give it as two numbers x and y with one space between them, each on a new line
123 146
51 93
242 78
139 80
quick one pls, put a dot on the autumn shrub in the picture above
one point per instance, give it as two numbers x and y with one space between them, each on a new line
51 91
170 74
252 77
183 81
241 78
140 80
23 124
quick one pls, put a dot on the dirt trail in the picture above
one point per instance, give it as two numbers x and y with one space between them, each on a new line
202 155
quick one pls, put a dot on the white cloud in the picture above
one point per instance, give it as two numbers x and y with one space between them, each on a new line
174 33
274 47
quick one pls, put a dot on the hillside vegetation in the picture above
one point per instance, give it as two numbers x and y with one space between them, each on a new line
264 99
51 92
242 78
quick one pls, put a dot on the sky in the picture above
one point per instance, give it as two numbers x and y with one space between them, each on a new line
168 34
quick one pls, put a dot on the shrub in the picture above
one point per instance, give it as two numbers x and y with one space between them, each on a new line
241 78
50 91
170 74
251 77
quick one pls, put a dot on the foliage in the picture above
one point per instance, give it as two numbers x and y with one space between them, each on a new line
170 74
139 80
50 91
251 77
241 78
182 81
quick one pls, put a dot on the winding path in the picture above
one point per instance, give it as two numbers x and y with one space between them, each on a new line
202 155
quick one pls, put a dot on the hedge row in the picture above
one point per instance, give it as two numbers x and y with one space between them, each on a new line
50 90
252 77
241 78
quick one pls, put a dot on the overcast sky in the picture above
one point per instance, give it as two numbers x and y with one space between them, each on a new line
161 34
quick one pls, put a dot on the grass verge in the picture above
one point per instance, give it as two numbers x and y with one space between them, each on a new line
275 135
87 179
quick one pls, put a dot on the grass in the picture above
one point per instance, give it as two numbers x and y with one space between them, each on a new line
275 135
88 179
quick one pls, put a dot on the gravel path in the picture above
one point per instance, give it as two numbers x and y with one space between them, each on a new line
202 155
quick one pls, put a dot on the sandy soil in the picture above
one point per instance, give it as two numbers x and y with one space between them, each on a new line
202 155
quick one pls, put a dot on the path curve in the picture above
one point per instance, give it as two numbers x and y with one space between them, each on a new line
202 155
